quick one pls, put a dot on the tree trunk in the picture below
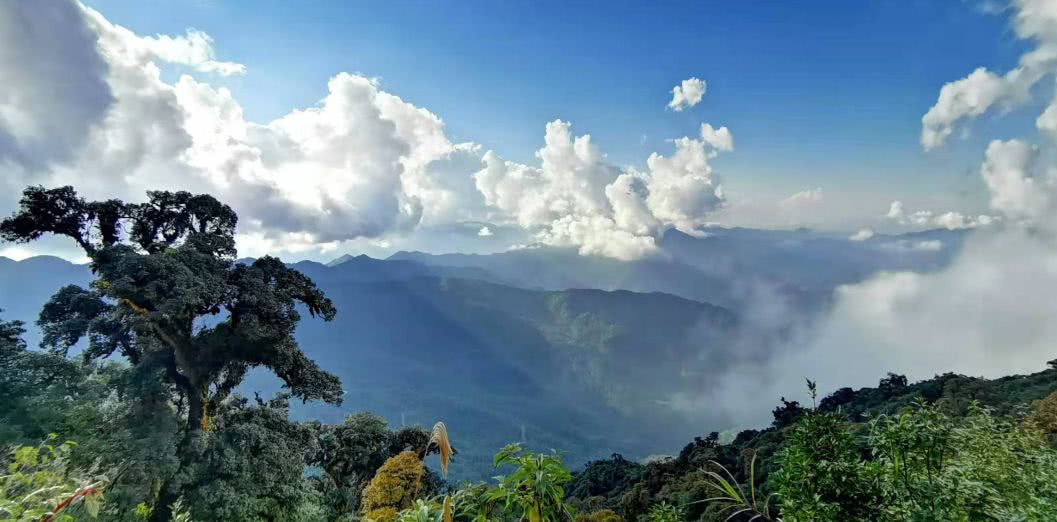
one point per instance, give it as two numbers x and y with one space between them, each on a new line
188 452
197 414
168 495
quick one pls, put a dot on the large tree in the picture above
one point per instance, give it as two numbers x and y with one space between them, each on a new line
168 293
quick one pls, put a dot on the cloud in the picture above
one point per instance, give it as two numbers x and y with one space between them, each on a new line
577 198
927 218
91 104
981 90
720 139
906 245
862 235
485 232
195 49
1009 172
360 163
54 84
988 312
687 94
802 199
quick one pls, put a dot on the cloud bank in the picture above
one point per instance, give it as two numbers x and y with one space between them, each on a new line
576 197
84 99
927 218
990 312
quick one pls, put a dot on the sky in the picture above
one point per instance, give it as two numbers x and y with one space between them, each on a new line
287 112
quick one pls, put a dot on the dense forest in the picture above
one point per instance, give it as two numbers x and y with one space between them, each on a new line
129 410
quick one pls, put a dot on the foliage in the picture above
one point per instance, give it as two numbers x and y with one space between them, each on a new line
732 497
606 478
921 464
395 487
422 511
168 295
665 512
937 467
349 453
473 503
681 480
605 515
535 489
253 465
787 413
179 514
31 383
1044 416
38 484
822 475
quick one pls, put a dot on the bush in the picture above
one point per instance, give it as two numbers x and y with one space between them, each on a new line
980 467
605 515
822 475
921 464
665 512
535 489
39 485
393 488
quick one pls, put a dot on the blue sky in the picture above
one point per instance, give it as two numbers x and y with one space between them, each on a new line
817 94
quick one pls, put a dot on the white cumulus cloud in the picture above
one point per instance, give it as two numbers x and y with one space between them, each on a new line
981 90
576 197
84 99
688 93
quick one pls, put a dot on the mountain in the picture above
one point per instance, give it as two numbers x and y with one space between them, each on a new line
547 346
730 267
556 369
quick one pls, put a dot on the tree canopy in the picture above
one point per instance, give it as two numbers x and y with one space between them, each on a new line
169 294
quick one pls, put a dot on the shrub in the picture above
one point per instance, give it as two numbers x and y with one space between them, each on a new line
921 464
822 475
605 515
393 488
535 490
665 512
39 486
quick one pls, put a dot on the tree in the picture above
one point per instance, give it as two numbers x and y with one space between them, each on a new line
892 383
254 466
609 477
835 400
169 294
1044 415
787 413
